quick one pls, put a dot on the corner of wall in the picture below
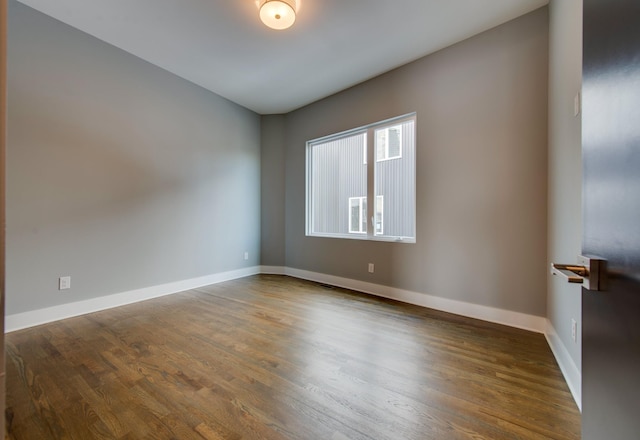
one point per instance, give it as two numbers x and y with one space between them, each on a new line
272 193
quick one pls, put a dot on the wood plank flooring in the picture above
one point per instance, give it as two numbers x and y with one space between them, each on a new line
272 357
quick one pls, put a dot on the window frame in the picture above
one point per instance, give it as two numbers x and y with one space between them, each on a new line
386 147
369 131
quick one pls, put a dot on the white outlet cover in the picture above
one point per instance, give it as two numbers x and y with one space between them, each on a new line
64 283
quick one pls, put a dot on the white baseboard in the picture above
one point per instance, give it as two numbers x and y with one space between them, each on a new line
571 373
537 324
499 316
32 318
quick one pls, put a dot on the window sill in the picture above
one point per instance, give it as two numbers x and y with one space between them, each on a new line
366 237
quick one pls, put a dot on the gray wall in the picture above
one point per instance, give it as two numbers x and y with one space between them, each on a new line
120 174
272 190
482 171
565 166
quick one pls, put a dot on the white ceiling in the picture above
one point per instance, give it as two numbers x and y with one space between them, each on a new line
222 46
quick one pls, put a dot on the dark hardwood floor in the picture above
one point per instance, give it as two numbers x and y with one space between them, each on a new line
272 357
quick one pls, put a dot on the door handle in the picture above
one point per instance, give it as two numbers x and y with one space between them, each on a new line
590 272
573 273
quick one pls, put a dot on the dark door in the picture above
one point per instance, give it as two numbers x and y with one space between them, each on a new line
611 187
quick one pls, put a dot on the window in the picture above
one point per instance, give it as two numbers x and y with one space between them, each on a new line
389 143
341 187
358 215
379 217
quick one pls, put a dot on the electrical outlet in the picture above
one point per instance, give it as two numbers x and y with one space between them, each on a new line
371 267
574 330
246 255
64 283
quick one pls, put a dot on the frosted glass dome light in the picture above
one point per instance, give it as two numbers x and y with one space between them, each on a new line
278 14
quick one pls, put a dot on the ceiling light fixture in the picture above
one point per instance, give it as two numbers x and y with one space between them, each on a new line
278 14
